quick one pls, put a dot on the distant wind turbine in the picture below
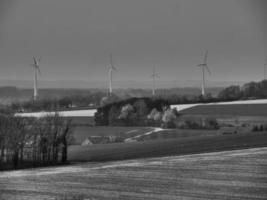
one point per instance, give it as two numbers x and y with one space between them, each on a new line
36 67
204 67
111 68
154 76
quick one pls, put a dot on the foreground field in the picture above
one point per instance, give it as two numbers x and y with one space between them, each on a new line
239 174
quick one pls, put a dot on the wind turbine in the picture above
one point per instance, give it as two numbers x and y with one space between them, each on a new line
204 67
111 68
154 76
36 67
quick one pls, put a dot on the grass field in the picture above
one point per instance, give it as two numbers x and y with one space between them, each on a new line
178 146
238 174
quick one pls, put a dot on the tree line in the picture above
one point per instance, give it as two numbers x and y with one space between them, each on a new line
148 112
51 104
251 90
28 142
172 96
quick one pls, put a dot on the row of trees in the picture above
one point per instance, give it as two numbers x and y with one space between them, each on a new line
33 142
48 104
248 90
252 90
172 96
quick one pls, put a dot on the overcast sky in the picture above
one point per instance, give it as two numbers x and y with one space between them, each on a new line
75 38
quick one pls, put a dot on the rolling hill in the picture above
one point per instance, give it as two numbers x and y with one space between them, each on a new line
238 174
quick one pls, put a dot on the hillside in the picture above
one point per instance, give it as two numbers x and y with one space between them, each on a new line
239 174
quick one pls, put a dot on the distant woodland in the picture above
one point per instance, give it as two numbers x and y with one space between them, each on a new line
59 99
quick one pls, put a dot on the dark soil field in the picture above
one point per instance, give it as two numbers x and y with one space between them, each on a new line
83 121
80 133
166 147
232 175
178 133
229 110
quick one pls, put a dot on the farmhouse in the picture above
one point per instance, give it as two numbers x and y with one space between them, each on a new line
86 142
98 140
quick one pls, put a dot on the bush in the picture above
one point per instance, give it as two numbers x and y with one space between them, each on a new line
255 128
211 123
193 122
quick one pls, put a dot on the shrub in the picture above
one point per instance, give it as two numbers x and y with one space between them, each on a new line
194 122
211 123
255 128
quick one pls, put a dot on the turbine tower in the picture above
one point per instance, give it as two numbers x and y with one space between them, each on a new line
154 76
36 67
204 67
111 68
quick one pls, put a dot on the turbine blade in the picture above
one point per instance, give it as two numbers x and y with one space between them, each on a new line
111 61
39 71
206 57
34 61
114 68
110 57
155 74
206 66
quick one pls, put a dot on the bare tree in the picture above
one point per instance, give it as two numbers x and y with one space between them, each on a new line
45 139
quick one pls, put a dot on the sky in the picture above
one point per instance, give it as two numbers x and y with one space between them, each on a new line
75 39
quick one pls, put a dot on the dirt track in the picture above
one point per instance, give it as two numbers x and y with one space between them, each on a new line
240 174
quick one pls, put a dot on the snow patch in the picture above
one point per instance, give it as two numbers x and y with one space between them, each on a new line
133 139
72 113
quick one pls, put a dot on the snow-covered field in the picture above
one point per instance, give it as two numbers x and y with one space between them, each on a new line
181 107
91 112
72 113
134 139
256 101
186 106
